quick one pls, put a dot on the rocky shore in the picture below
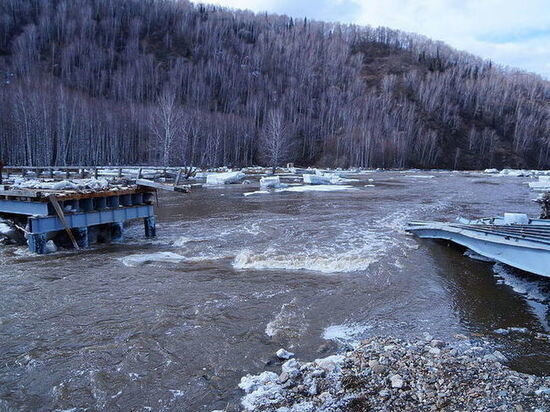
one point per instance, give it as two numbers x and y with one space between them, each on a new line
390 374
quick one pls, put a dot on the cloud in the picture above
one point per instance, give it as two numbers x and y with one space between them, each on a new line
509 32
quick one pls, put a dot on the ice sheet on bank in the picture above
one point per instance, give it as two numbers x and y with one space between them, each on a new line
142 259
74 184
215 179
542 185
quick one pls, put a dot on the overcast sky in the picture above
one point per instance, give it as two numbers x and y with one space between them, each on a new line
510 32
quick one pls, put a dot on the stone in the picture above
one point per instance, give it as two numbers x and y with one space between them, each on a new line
543 390
283 377
397 381
499 356
384 393
434 351
437 343
284 354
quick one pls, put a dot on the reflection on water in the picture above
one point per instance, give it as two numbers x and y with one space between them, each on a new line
173 323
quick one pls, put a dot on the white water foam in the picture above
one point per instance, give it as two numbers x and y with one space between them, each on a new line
305 188
313 261
182 241
532 289
145 258
289 322
347 333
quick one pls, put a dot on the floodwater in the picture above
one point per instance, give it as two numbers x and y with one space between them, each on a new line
173 323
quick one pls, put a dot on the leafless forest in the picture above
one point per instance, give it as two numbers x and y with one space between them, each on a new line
168 82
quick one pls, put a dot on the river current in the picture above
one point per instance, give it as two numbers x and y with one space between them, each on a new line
174 323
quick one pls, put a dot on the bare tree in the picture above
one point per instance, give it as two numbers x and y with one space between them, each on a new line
107 81
167 124
275 143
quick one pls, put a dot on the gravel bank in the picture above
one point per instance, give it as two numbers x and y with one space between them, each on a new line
389 374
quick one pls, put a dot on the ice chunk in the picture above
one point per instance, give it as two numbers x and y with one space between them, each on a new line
330 363
51 247
516 219
515 173
322 179
6 229
250 383
271 182
284 354
316 180
224 178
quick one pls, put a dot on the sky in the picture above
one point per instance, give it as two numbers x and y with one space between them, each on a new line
512 33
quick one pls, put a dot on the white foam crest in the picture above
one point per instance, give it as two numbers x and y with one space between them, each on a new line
530 288
347 333
312 261
304 188
144 258
182 241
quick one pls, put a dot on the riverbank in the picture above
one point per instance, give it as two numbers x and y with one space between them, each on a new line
390 374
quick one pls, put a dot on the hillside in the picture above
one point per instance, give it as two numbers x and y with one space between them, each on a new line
164 82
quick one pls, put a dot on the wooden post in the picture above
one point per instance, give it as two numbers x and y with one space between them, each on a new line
178 177
96 172
61 216
150 229
139 173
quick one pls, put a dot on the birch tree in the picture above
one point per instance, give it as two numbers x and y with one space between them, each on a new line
275 143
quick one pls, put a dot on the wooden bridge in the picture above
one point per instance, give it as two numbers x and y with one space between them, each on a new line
45 212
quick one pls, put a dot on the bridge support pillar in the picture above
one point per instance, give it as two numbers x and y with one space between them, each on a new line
150 228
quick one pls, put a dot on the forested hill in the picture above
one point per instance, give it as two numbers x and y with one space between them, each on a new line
167 82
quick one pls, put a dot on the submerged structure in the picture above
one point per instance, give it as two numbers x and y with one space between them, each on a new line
514 239
77 213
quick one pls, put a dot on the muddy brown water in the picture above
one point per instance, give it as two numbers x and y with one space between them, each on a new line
116 328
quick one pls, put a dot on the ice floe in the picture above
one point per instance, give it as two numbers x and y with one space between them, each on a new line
215 179
270 182
145 258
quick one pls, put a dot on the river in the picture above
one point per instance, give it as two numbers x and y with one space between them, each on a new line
174 323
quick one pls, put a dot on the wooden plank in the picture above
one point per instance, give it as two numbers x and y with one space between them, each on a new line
61 216
20 193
